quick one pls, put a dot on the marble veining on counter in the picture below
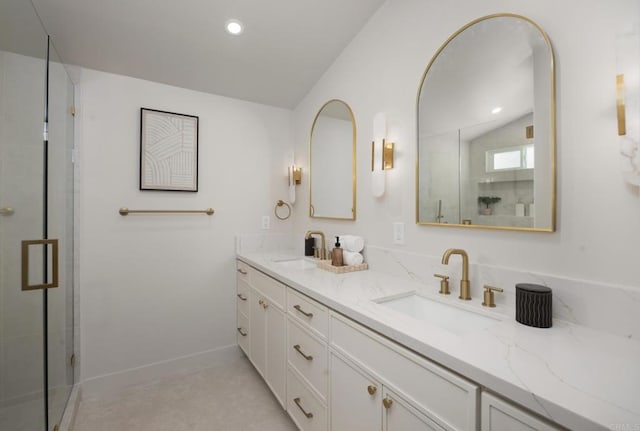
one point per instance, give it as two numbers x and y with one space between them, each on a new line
579 377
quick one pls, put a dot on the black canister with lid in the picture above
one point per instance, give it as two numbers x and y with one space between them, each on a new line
533 305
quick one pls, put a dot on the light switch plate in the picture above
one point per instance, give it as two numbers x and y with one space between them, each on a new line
398 233
266 222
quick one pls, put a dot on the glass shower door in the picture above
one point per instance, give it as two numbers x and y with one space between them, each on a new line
59 301
23 46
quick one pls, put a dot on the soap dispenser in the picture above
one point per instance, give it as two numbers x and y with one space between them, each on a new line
337 258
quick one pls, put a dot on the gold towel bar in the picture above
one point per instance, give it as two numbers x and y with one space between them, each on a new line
126 211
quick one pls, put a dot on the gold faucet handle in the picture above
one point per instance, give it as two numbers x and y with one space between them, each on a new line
488 295
444 284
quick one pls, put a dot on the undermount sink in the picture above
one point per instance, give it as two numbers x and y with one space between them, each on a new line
295 263
448 317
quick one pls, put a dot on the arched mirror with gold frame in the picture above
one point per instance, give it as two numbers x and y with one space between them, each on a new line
332 153
486 129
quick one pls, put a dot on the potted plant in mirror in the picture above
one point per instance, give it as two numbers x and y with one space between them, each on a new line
488 200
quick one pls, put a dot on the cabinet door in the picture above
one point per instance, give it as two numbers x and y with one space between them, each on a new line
275 368
257 317
500 415
400 415
355 399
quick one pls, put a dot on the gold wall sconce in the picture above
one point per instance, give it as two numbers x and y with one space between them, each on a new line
295 175
381 154
620 108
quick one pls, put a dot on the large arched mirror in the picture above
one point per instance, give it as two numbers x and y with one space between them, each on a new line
486 129
332 186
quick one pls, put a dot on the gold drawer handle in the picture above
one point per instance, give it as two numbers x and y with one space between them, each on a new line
299 350
244 334
242 271
300 310
387 402
242 297
308 415
371 389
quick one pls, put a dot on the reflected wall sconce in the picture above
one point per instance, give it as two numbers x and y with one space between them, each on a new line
528 132
381 154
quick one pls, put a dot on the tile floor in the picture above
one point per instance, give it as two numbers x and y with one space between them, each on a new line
231 397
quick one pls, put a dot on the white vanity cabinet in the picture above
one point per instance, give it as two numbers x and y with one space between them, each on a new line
243 292
307 362
501 415
261 316
411 393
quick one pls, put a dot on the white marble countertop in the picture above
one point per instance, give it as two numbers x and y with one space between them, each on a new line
578 377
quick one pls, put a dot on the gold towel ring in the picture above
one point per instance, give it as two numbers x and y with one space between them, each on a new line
281 203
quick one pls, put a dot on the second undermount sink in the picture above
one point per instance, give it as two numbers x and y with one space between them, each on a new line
295 263
457 320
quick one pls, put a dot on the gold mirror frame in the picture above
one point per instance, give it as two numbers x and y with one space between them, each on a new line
353 163
552 137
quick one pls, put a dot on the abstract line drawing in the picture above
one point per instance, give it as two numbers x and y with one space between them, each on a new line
168 151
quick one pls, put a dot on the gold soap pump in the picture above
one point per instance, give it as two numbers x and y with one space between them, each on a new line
337 257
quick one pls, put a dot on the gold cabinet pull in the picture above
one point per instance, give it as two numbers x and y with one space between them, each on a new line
25 264
371 389
387 402
299 350
242 297
242 271
261 302
309 415
265 305
7 211
243 333
300 310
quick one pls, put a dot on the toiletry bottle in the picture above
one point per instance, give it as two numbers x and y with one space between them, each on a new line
336 255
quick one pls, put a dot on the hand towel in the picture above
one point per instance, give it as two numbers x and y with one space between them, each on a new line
352 243
352 258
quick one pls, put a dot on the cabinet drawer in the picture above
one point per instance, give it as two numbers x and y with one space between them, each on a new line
500 415
243 333
305 409
308 312
242 297
242 270
308 356
271 289
449 399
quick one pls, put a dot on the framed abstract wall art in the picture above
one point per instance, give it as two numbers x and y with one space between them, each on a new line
168 151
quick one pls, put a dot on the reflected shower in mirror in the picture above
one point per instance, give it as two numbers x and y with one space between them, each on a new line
332 166
486 129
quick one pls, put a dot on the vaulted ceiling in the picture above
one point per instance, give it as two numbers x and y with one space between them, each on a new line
285 48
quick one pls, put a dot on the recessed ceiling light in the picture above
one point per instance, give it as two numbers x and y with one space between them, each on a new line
496 110
234 27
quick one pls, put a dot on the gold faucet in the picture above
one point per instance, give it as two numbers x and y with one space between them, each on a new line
465 284
323 249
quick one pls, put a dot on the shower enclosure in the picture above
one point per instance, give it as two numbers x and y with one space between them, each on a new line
36 224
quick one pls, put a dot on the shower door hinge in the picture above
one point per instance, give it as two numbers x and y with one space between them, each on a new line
45 132
72 110
72 360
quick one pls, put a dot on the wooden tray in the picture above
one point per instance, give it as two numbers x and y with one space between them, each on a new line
326 265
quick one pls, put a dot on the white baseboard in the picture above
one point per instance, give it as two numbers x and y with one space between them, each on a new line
109 384
69 417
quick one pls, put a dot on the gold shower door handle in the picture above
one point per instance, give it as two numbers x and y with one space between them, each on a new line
25 263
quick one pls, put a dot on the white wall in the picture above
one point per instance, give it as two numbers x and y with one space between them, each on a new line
159 287
598 215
